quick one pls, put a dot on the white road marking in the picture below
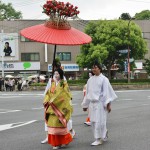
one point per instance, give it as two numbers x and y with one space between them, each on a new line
8 111
124 100
9 96
30 95
15 125
21 94
125 91
74 104
145 104
37 108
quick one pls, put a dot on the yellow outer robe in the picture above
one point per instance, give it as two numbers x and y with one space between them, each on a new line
58 97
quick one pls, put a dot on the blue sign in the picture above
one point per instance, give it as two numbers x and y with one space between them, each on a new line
66 67
124 51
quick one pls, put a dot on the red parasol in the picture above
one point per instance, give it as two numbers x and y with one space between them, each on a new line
43 34
57 31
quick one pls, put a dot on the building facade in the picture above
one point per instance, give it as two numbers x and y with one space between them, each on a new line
29 57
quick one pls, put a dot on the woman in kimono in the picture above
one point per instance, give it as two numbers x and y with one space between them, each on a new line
69 124
58 110
99 95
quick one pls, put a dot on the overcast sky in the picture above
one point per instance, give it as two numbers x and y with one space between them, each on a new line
89 9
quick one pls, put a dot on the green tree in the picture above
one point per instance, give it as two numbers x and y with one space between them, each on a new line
125 16
108 37
147 66
143 15
8 12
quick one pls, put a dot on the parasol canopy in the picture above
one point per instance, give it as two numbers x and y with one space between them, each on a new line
44 34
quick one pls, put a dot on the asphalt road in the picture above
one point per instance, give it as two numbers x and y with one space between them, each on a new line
22 123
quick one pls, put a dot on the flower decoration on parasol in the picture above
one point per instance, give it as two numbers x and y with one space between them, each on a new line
59 11
57 30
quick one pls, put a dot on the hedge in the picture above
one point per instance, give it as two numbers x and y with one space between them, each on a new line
113 81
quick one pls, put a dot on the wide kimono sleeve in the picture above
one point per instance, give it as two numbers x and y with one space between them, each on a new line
86 101
46 99
108 94
67 90
47 87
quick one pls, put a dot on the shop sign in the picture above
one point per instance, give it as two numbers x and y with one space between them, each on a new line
12 66
65 67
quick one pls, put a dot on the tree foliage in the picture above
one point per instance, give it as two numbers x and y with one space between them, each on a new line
125 16
147 66
8 12
143 15
108 37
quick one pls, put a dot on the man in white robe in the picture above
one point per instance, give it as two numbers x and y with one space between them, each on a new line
98 99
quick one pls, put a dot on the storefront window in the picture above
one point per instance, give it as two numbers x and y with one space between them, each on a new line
30 56
64 56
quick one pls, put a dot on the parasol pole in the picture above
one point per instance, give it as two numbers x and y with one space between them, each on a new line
54 60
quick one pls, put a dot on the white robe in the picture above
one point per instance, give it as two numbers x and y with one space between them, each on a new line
99 93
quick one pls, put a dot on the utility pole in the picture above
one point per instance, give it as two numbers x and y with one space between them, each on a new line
129 50
2 55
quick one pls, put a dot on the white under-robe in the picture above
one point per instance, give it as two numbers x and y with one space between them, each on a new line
99 93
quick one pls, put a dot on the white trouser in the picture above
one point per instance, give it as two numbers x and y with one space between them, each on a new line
46 127
69 125
99 130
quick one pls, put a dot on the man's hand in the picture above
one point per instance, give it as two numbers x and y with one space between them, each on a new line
84 109
109 107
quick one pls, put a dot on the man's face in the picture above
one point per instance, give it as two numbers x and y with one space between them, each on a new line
96 70
6 45
57 76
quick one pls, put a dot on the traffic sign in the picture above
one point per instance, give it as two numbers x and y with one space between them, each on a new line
124 51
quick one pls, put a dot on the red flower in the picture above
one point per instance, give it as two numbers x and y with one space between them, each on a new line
59 10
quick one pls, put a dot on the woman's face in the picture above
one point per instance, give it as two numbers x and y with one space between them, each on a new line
57 76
